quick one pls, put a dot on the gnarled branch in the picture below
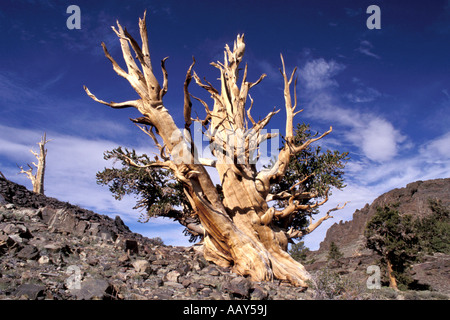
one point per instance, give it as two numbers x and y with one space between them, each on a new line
274 174
115 105
295 233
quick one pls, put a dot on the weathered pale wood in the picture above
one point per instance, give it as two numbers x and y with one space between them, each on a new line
392 280
37 180
238 230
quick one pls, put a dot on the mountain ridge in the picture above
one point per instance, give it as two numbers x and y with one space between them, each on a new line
411 199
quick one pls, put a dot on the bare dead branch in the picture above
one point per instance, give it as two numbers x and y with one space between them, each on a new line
165 82
115 65
187 101
248 112
302 181
115 105
336 208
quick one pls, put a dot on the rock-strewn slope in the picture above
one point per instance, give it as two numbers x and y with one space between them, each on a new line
413 199
54 250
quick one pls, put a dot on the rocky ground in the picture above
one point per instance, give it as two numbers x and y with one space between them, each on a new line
41 259
54 250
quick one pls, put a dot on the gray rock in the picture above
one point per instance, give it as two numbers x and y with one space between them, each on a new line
47 214
120 225
175 285
211 270
14 240
183 269
258 293
10 228
238 286
81 227
44 260
30 290
24 232
172 276
29 252
162 293
141 265
2 200
94 289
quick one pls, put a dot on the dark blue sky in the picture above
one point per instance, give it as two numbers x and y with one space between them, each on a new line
386 92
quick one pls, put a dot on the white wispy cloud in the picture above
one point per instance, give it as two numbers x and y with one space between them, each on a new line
318 74
381 157
437 149
378 140
365 47
363 95
375 137
272 72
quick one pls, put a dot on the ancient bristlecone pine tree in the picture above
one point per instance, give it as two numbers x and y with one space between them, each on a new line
37 179
237 225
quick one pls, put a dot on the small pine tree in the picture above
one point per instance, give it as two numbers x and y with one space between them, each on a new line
394 237
299 252
434 230
334 253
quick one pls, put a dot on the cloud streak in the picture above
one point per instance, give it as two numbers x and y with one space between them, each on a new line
365 47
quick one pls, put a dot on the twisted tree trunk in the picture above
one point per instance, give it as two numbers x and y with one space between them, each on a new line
239 230
392 280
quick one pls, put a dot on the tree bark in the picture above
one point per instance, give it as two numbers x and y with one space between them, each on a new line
392 280
240 230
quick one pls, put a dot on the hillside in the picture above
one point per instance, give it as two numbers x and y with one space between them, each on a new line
54 250
433 271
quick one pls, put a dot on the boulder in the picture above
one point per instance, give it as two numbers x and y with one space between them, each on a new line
258 293
120 225
62 221
433 272
95 289
141 265
30 291
172 276
29 252
131 246
238 286
44 260
2 200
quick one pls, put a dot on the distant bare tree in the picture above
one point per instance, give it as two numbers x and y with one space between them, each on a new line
38 179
